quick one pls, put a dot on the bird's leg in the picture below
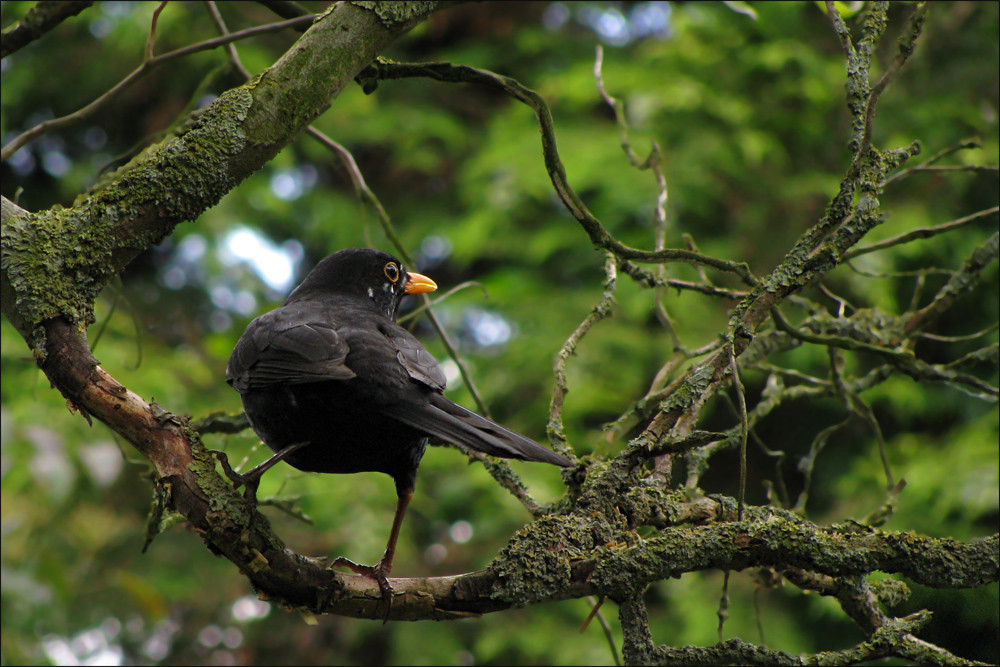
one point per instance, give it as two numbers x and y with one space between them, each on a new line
250 479
380 570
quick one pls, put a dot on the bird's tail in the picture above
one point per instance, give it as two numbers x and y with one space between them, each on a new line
453 423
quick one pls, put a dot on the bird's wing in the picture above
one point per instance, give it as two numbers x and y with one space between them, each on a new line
451 422
290 345
435 415
420 364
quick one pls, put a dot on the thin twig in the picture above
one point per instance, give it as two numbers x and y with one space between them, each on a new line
608 634
925 166
599 235
366 195
906 46
556 431
62 122
918 292
152 31
808 463
500 469
741 404
853 403
957 339
652 162
438 299
649 280
920 233
975 168
723 611
220 23
758 614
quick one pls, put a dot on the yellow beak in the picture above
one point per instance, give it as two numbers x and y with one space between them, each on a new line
418 284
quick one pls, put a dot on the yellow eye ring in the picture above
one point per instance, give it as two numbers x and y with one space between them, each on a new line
391 271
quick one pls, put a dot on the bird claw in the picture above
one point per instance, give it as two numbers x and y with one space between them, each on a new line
378 572
248 481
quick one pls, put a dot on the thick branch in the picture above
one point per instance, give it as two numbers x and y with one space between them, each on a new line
58 261
938 563
39 20
149 64
569 563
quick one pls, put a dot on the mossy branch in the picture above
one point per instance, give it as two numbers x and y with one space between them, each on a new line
56 262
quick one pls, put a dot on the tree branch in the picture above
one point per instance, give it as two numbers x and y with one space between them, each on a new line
38 20
921 233
599 235
569 562
56 262
148 65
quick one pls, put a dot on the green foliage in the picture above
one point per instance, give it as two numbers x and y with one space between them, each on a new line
750 117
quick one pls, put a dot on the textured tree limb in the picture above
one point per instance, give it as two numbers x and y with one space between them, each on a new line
892 640
960 282
38 21
567 561
589 549
938 563
874 27
572 565
554 558
148 64
56 262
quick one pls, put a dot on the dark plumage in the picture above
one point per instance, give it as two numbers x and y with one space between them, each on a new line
331 383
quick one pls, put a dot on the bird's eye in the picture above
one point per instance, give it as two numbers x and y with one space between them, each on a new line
391 271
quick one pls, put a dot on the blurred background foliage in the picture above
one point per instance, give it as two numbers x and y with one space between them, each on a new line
746 101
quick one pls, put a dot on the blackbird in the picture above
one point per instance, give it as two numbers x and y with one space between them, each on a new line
332 384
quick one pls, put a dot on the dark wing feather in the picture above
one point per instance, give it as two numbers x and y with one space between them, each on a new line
453 423
438 416
288 346
420 364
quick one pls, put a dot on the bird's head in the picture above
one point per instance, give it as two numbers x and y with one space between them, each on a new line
366 274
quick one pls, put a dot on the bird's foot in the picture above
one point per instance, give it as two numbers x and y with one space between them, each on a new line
249 480
378 572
